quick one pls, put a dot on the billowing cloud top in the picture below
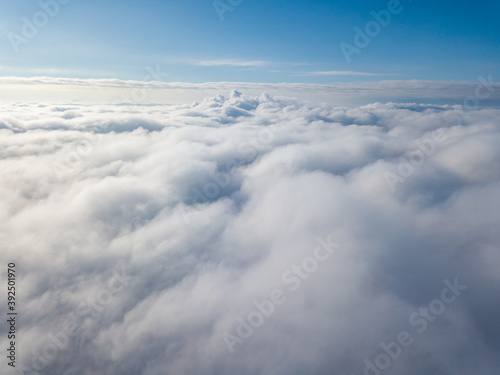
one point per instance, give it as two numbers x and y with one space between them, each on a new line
253 235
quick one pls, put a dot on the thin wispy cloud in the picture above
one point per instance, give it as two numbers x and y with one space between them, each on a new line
231 62
348 73
52 72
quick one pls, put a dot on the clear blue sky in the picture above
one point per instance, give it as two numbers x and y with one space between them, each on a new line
258 41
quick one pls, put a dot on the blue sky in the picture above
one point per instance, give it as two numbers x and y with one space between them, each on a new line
258 41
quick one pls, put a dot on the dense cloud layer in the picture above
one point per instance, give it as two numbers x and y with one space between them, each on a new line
150 239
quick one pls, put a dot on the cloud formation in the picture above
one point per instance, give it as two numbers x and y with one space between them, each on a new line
231 62
347 73
146 236
106 91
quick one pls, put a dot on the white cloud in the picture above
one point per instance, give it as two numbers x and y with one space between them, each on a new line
347 73
231 62
64 90
200 209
